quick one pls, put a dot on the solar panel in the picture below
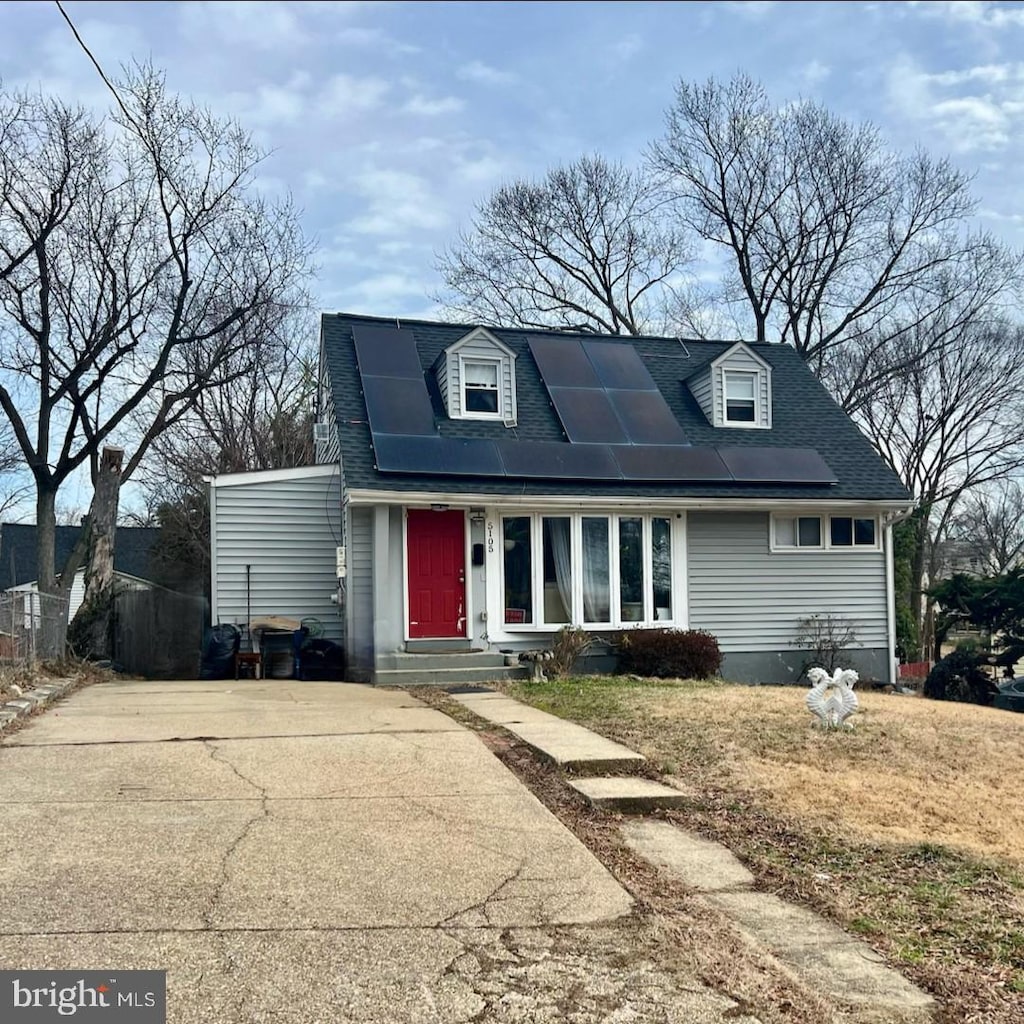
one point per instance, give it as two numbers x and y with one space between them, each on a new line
619 366
563 363
587 415
556 460
386 352
646 417
682 463
777 465
397 405
396 453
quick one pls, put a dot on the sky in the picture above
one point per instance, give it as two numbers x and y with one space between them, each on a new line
387 122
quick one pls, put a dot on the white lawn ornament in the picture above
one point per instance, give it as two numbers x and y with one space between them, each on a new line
832 698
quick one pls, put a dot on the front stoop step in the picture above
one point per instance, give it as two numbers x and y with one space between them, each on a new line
441 676
630 794
439 659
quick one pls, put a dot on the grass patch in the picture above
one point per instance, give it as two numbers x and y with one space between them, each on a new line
908 830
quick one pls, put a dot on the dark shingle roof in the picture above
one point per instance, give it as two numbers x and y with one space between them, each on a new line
18 542
803 415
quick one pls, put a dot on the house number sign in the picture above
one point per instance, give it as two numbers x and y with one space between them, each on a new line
490 537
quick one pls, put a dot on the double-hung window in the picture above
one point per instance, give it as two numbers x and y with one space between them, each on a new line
481 388
740 396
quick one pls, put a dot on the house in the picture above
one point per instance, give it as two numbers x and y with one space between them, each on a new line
481 487
18 558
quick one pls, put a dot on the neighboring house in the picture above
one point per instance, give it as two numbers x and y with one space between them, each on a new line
492 485
18 558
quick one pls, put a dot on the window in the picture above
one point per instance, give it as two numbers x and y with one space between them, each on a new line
589 569
518 556
844 532
481 391
740 397
847 532
798 532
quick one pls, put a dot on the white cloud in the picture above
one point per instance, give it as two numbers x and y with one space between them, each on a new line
365 38
423 106
814 73
975 108
627 47
478 71
396 202
343 94
972 12
755 10
256 23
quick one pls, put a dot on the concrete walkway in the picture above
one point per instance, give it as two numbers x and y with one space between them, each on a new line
832 962
306 852
568 745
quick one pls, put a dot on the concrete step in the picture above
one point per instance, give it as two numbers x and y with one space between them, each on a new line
630 794
469 659
445 676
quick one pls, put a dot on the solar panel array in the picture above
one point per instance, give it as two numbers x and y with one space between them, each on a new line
618 423
603 393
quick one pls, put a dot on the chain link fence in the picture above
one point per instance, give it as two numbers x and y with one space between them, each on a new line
33 626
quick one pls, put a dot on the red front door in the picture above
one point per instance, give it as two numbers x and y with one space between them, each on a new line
437 573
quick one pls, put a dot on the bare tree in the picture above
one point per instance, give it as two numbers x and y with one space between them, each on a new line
827 230
264 421
949 422
587 245
139 269
990 523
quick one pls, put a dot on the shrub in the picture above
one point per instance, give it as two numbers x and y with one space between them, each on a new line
826 638
959 676
571 642
670 653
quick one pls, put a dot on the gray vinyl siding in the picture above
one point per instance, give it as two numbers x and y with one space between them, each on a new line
741 361
359 587
751 598
286 530
701 390
450 379
329 453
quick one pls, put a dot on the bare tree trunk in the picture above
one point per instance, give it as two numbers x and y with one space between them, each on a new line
90 633
46 534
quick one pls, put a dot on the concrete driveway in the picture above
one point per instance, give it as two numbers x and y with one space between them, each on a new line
303 852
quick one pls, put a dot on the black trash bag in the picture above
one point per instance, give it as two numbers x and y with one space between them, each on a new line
219 651
322 659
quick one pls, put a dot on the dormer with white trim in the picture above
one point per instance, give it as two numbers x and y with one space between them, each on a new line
735 390
477 378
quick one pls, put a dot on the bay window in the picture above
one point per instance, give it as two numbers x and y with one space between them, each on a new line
589 569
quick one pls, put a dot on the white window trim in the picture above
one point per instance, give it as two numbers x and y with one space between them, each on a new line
755 423
499 363
496 570
826 534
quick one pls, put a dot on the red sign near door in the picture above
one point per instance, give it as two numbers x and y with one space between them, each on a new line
437 573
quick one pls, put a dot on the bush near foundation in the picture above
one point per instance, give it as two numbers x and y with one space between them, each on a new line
669 653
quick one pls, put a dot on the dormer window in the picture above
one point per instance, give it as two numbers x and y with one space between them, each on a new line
740 397
735 390
477 378
482 392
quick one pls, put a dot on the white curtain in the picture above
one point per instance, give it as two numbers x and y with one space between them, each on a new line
561 550
596 595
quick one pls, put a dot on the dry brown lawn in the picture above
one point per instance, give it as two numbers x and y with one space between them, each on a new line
908 829
912 770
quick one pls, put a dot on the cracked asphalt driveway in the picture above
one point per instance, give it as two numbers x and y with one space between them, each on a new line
309 852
